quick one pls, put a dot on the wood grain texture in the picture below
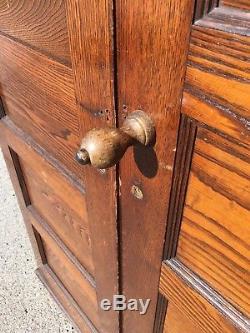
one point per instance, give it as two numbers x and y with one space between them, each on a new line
39 24
47 234
72 279
152 41
241 4
20 141
90 26
217 81
227 19
39 95
214 237
60 204
176 322
79 319
199 304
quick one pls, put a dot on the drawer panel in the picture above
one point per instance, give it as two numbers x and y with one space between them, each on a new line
215 231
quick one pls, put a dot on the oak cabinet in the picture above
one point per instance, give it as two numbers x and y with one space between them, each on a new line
168 221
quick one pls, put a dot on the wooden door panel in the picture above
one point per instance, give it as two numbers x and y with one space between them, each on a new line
56 82
49 195
176 322
205 309
214 236
38 24
64 299
205 275
79 287
39 94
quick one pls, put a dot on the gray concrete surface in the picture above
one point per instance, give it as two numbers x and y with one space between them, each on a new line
25 305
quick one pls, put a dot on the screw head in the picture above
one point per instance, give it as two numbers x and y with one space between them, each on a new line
82 157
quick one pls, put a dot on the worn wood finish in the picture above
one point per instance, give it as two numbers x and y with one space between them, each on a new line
65 69
49 108
212 242
200 304
219 19
49 193
80 289
65 300
39 24
217 81
41 98
241 4
90 29
205 278
152 40
30 152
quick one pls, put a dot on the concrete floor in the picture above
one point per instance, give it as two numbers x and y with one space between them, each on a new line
25 305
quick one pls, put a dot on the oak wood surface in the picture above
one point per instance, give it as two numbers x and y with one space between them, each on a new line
54 106
152 40
203 7
51 193
62 205
242 4
90 25
39 24
207 243
64 300
176 322
198 303
217 81
39 94
80 289
214 237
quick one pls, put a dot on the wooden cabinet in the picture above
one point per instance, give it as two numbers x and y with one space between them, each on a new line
170 222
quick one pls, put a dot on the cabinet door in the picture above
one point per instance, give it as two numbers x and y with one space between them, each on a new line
56 82
204 285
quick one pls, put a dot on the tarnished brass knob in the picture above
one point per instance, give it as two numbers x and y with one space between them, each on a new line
104 147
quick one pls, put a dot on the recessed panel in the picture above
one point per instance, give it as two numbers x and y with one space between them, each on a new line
40 24
215 231
39 97
60 204
83 293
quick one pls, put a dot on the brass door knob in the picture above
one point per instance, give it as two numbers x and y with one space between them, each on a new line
104 147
